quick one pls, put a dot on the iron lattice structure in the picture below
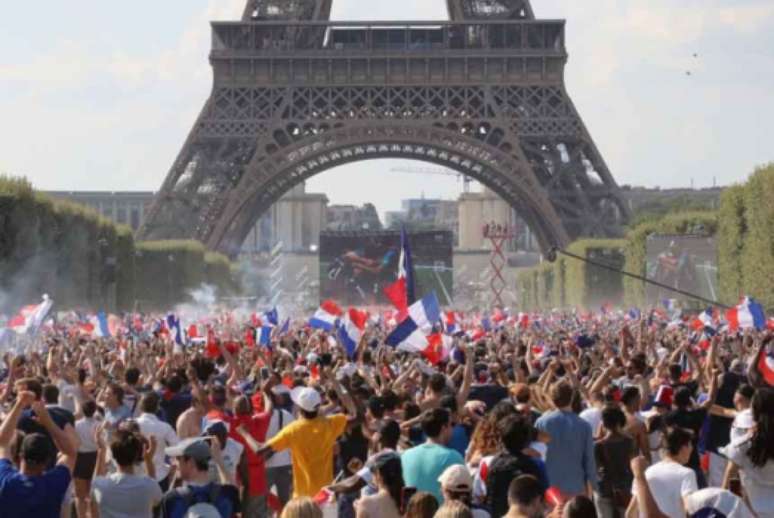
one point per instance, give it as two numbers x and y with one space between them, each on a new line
295 94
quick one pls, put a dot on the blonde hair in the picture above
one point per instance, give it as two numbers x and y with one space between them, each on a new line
301 508
454 509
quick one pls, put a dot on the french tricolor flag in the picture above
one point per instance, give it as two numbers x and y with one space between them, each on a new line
412 333
351 330
326 317
748 314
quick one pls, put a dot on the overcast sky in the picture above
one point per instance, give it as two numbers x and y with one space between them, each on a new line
99 95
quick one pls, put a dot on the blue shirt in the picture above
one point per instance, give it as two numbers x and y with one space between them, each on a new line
423 464
570 456
174 505
26 497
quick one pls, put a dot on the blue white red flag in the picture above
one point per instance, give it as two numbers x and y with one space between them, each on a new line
351 330
412 333
326 316
748 314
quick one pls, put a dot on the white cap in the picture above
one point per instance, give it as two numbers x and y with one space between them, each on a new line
306 398
456 478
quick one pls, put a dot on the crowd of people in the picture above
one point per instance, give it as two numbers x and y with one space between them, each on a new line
604 416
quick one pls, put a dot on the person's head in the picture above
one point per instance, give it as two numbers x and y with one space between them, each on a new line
421 505
762 443
192 457
149 403
388 475
561 395
457 484
743 397
126 448
437 383
613 418
307 400
301 508
436 423
35 453
579 507
114 395
389 434
454 509
630 398
679 444
515 433
88 408
525 496
132 376
219 430
683 399
50 394
30 385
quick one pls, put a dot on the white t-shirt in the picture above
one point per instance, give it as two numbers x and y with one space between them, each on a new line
669 482
758 482
593 416
281 458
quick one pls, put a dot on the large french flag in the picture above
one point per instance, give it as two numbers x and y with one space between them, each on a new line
326 316
351 330
748 314
401 292
412 333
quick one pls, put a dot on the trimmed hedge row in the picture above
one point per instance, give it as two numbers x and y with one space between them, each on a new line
568 282
85 261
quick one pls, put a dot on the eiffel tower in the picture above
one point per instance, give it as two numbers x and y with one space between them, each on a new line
295 94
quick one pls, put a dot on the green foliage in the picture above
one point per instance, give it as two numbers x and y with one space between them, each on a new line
83 260
732 229
697 223
758 247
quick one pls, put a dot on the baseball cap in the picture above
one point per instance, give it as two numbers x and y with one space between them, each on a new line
714 502
305 398
194 448
456 478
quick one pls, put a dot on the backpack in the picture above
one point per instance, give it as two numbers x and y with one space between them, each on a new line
205 509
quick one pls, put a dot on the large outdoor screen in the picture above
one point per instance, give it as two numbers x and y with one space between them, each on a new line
355 266
687 263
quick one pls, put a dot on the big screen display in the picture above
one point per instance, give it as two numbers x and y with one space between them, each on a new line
356 266
684 262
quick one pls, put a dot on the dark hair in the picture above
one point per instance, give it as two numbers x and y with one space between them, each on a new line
682 398
89 407
515 433
421 505
630 395
562 394
762 440
613 418
150 403
132 375
437 382
126 448
524 490
50 394
434 420
118 391
391 473
676 439
580 507
389 434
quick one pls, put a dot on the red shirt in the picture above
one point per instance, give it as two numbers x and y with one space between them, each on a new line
257 425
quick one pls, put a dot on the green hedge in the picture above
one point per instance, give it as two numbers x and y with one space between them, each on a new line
588 286
85 261
700 222
758 244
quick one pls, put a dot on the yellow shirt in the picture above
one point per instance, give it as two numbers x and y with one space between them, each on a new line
311 443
